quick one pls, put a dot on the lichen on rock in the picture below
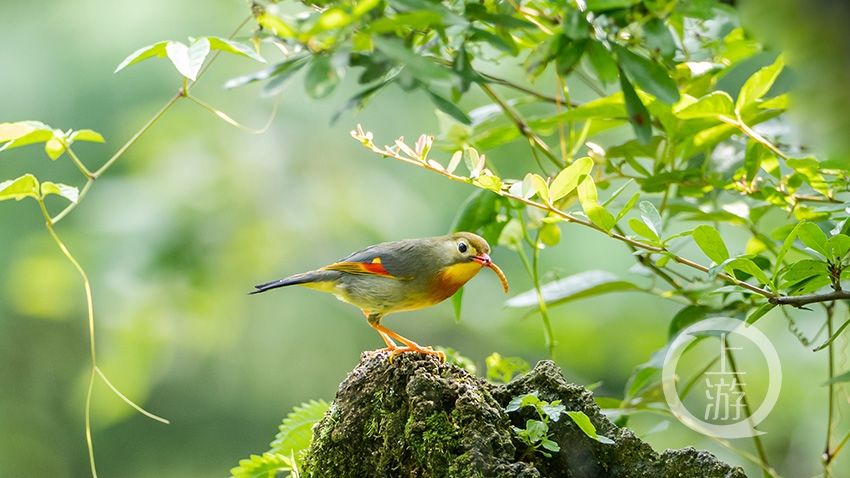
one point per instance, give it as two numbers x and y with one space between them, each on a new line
416 417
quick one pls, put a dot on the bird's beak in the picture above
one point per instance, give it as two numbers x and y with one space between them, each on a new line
483 259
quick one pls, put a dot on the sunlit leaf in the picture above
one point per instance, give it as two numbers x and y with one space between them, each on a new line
188 60
86 135
236 48
759 83
156 50
567 180
716 103
70 193
709 240
22 187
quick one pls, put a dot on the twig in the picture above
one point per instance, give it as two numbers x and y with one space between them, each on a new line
522 126
756 438
367 142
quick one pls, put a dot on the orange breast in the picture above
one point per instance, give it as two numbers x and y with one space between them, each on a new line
452 278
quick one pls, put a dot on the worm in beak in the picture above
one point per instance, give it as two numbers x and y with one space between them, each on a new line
484 260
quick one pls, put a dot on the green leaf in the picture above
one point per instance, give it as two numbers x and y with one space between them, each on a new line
688 315
636 110
420 66
643 230
70 193
267 465
550 445
503 369
569 55
578 286
449 108
650 76
22 133
322 78
457 303
520 401
599 5
709 240
748 267
716 103
188 60
275 24
54 147
759 312
567 180
584 423
236 48
759 84
17 189
602 62
540 186
156 50
627 207
844 377
296 431
597 214
786 246
650 216
813 237
658 38
86 135
838 246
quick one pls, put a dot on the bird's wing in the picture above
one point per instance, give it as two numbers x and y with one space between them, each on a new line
387 260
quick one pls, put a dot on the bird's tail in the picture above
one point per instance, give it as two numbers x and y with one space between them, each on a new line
304 278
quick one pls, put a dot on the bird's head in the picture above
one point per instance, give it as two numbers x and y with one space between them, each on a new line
463 254
467 247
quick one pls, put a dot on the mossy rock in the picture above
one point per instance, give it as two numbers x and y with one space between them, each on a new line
416 417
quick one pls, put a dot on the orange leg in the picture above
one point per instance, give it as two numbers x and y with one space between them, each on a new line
410 346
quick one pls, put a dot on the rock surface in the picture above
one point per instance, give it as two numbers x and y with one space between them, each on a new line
416 417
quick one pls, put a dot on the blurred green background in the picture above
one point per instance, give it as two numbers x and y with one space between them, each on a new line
197 212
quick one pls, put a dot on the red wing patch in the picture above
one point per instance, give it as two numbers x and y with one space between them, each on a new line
367 268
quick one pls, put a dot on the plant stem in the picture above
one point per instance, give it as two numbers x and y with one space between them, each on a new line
82 167
577 220
522 126
138 134
756 438
827 453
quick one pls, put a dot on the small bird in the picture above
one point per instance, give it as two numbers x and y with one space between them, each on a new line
397 276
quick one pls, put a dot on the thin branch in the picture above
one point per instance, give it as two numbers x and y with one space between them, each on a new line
367 142
756 438
827 451
522 126
802 300
138 134
509 84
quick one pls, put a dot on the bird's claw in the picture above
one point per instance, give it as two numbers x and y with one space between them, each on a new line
393 351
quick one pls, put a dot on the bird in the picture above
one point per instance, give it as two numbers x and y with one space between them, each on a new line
399 276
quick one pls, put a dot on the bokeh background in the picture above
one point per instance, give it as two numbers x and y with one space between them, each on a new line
197 212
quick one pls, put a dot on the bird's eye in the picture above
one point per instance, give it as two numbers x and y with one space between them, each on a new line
462 247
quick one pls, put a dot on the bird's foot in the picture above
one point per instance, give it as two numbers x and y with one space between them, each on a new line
414 349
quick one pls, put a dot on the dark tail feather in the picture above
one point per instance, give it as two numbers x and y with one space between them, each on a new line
314 276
